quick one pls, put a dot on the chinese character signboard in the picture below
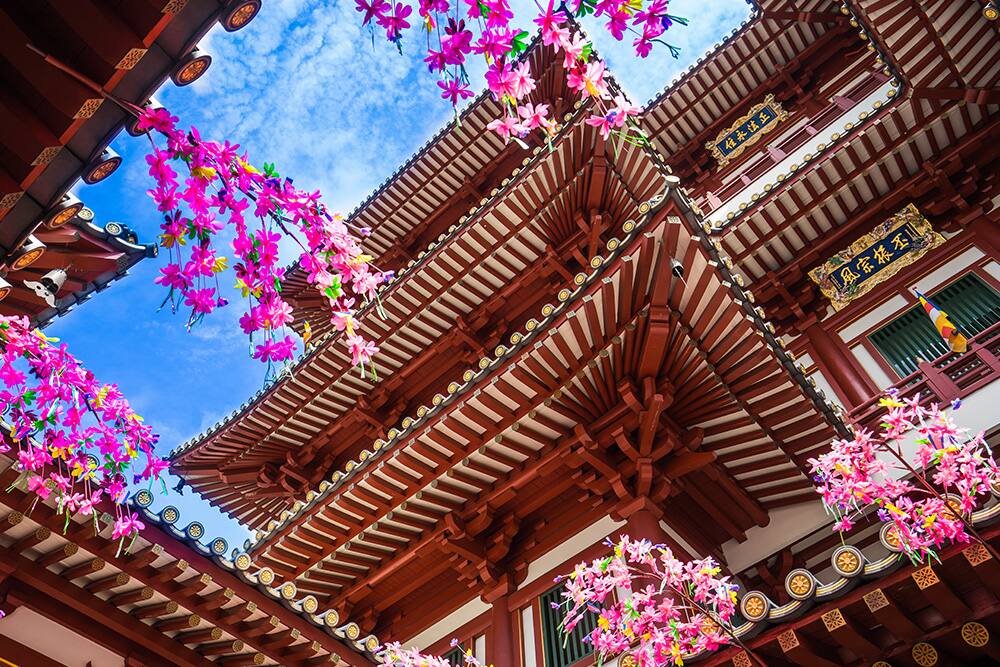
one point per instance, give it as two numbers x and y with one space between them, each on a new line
876 257
747 130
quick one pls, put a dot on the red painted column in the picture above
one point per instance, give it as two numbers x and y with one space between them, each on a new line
834 360
501 644
987 234
643 524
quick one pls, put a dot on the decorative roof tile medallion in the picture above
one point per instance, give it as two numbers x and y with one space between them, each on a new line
924 654
747 130
889 538
755 606
800 584
975 634
847 561
875 257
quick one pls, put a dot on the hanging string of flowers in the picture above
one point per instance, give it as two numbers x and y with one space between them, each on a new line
76 439
648 602
223 191
485 28
926 498
670 608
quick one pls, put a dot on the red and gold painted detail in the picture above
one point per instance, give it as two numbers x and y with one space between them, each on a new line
27 259
131 59
46 155
102 170
10 199
89 108
241 15
192 71
63 216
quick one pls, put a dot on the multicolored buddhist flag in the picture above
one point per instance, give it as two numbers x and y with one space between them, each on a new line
956 341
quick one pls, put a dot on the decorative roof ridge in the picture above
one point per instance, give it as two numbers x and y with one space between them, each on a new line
879 109
135 252
706 57
745 298
421 259
473 377
263 579
241 565
470 379
851 567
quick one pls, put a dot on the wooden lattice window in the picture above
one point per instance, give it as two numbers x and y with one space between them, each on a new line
455 657
560 649
972 305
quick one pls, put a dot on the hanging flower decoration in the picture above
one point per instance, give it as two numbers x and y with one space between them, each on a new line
670 609
394 655
459 29
223 191
924 498
76 440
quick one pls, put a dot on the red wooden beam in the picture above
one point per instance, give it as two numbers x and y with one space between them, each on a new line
118 631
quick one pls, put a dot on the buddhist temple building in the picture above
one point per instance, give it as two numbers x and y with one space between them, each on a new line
589 339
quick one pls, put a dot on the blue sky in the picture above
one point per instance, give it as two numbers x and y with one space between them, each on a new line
302 87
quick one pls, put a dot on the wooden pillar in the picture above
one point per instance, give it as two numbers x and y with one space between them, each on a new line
987 234
834 360
501 644
644 524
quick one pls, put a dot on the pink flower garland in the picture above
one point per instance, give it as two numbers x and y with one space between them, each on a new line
76 439
670 609
483 28
870 469
220 188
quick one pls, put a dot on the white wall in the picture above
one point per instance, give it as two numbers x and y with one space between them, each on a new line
54 641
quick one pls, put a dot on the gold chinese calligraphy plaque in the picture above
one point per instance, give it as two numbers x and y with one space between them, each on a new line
875 257
747 130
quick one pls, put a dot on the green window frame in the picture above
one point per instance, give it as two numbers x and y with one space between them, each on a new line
972 305
560 650
455 657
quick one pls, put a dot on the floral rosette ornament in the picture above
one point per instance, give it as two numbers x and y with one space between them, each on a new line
925 498
459 29
76 440
221 190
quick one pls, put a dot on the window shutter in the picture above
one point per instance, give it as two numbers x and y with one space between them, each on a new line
972 306
562 650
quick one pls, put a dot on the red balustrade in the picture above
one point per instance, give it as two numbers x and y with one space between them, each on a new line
948 377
